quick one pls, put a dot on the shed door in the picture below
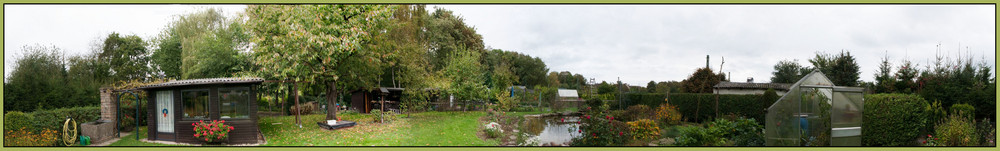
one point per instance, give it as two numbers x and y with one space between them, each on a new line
165 110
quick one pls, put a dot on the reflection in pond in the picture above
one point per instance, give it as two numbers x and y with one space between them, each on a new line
550 130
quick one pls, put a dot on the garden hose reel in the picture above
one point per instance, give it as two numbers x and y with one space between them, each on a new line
69 131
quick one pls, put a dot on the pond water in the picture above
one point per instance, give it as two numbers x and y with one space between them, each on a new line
558 130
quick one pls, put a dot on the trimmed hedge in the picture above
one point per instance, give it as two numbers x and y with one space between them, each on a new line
750 106
15 120
53 119
893 119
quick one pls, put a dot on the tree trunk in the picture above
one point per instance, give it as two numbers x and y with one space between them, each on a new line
331 100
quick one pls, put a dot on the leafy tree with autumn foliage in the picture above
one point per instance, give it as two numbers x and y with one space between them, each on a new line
320 44
701 81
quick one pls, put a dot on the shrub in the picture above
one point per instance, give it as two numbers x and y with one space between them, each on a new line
892 119
986 129
643 129
492 130
935 114
26 137
600 129
956 131
701 106
637 112
388 116
306 108
668 114
17 120
698 136
213 131
964 110
747 132
54 119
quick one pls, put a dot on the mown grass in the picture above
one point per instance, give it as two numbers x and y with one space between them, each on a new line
419 129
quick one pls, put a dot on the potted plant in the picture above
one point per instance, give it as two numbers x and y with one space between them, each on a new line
212 132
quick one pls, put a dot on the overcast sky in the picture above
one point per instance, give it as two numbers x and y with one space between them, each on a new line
637 43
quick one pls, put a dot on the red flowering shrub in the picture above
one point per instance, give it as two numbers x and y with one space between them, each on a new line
214 131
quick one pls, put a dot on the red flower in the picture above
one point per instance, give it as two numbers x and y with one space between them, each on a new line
206 139
925 142
581 131
211 132
195 135
595 134
620 133
929 135
231 128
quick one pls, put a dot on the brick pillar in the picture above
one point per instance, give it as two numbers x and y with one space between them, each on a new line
108 104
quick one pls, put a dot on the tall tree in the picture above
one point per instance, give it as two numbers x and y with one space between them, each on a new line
884 82
905 78
466 76
322 44
651 87
448 32
701 81
126 56
186 29
841 69
37 80
788 71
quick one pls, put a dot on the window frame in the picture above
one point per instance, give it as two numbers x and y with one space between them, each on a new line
246 101
208 103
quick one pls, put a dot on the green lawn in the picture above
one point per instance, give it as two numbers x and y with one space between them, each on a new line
419 129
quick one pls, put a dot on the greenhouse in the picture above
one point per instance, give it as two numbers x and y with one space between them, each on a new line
815 112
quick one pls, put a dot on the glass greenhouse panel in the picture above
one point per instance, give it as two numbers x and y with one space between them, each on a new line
815 113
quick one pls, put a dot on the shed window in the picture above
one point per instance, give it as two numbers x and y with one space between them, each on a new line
235 102
196 104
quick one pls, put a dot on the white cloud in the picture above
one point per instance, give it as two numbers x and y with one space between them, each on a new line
640 43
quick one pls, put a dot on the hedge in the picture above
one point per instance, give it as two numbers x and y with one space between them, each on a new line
53 119
750 106
15 120
893 119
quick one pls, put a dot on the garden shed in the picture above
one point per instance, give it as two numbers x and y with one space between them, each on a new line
815 112
177 104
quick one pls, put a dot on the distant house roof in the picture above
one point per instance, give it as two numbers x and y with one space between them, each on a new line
203 82
569 93
744 85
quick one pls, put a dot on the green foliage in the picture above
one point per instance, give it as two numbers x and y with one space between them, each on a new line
963 110
605 88
651 87
893 119
906 78
701 106
176 40
415 100
448 34
127 57
841 68
957 131
884 83
701 81
465 74
568 80
598 128
788 71
504 101
323 44
698 136
747 132
935 114
37 81
15 120
54 119
378 116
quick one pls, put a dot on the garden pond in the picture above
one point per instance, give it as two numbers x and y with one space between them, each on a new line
557 130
